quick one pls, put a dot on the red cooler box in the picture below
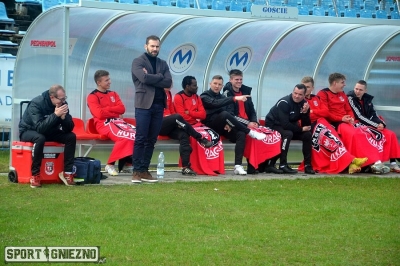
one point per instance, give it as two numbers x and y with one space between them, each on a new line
52 163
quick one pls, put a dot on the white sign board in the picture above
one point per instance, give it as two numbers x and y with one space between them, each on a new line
7 62
274 12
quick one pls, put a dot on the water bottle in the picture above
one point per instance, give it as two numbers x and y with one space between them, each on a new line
160 165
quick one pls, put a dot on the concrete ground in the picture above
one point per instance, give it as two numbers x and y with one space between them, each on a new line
175 176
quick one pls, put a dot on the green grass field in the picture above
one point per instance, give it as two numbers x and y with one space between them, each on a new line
327 221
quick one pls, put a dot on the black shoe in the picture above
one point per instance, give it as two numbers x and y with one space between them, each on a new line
205 142
287 170
272 169
251 170
308 170
188 171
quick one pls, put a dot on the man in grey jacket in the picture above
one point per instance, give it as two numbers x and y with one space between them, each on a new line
150 76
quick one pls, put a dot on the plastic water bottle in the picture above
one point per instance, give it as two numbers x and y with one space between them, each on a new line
160 165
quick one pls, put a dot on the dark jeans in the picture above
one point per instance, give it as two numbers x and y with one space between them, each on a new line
148 125
287 136
38 140
175 127
236 135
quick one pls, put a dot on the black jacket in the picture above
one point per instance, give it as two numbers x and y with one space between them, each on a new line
365 113
286 113
248 105
215 103
39 116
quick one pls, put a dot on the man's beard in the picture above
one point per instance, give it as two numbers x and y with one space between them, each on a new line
152 55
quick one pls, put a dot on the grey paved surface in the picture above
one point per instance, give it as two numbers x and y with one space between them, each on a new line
175 176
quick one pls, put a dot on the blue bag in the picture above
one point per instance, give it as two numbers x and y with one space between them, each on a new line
87 170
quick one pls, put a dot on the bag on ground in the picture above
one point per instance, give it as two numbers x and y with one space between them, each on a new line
87 170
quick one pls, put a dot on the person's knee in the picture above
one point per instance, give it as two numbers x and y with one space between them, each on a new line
71 138
39 140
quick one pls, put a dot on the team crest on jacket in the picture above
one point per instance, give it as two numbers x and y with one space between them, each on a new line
49 168
120 128
193 101
341 98
112 99
374 137
323 140
315 103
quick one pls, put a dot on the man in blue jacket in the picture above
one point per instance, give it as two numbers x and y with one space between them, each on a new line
47 118
150 76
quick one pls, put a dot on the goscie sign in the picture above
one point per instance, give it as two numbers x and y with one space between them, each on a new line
52 254
274 12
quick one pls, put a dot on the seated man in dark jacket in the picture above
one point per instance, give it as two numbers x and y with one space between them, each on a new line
364 112
219 117
47 118
284 117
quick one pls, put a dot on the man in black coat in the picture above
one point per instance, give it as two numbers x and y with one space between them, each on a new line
284 117
219 117
47 118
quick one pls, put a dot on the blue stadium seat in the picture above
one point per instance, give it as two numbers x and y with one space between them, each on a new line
164 2
202 4
65 2
318 11
145 2
4 19
381 14
218 5
183 3
364 13
126 1
350 13
236 5
395 15
46 4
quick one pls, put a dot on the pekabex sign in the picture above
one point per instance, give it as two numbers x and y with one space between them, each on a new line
182 58
52 254
240 59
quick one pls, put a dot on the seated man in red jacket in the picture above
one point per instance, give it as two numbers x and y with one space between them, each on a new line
364 111
175 127
328 152
205 160
107 108
361 141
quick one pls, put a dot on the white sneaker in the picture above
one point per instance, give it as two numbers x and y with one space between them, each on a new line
111 170
239 170
257 135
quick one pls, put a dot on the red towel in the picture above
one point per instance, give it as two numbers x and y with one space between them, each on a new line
122 133
207 161
328 155
258 151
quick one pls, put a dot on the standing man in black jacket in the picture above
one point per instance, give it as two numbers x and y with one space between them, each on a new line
284 117
150 75
219 109
47 118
